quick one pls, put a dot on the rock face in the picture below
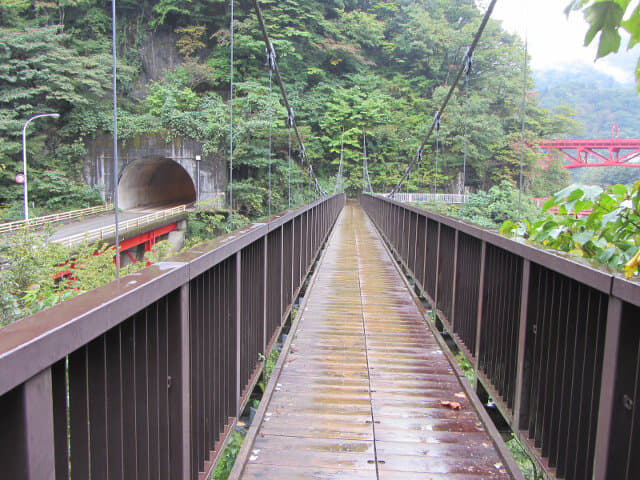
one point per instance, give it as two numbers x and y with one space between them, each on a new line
158 55
151 171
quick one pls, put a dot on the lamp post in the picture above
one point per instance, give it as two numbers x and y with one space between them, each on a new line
24 156
198 159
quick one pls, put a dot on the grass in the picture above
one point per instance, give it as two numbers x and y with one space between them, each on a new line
527 466
465 365
228 456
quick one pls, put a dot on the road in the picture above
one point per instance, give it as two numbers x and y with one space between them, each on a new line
94 223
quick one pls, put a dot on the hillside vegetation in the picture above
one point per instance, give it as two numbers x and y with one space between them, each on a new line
379 66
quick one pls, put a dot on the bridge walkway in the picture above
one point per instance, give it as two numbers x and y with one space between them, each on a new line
358 395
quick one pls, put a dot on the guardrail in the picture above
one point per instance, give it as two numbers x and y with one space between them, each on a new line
429 197
53 218
554 342
109 231
144 377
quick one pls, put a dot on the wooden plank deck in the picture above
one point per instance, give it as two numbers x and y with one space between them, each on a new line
357 395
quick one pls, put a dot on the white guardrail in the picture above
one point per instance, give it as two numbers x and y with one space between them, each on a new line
430 197
109 231
53 218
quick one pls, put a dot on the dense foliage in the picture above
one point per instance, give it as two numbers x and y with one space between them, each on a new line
499 204
610 234
379 66
36 274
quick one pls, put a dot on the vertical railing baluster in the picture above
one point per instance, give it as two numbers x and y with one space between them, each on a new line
483 256
607 388
452 320
178 382
516 424
437 267
239 332
38 418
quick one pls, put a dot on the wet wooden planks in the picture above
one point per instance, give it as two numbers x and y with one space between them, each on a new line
359 393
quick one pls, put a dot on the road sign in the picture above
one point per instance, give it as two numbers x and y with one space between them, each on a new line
20 178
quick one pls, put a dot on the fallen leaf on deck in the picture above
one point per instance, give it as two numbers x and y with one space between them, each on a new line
451 405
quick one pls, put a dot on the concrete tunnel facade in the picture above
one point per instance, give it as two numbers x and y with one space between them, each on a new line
155 181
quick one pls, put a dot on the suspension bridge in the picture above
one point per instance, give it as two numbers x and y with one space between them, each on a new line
148 376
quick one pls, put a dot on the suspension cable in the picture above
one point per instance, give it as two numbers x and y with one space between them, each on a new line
289 169
469 66
270 62
290 112
231 120
339 178
524 114
366 181
435 173
469 52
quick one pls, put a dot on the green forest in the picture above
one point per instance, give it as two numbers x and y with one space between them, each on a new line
380 66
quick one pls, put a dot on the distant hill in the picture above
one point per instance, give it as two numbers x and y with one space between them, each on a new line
598 99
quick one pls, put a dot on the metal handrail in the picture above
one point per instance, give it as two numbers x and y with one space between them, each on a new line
171 351
553 340
109 231
53 218
431 197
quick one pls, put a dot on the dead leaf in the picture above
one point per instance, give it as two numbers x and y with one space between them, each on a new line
460 395
451 405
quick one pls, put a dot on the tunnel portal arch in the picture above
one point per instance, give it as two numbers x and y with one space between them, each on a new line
155 181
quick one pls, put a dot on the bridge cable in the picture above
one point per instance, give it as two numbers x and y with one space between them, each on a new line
469 66
339 177
366 182
420 176
231 122
271 58
524 114
461 69
435 173
115 139
290 111
289 169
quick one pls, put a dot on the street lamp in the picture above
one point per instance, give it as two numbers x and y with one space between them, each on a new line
198 159
24 156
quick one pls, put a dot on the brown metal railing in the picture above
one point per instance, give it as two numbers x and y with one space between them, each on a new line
555 342
144 377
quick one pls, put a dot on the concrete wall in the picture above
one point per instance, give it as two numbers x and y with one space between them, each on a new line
149 171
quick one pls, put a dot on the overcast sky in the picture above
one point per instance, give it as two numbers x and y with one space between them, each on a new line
555 41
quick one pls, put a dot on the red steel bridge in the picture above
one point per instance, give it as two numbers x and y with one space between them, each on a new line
607 152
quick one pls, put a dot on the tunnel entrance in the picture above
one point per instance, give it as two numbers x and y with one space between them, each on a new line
153 182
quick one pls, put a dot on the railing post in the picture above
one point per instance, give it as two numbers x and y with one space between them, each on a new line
483 256
38 418
437 280
522 336
607 387
179 386
238 329
452 320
